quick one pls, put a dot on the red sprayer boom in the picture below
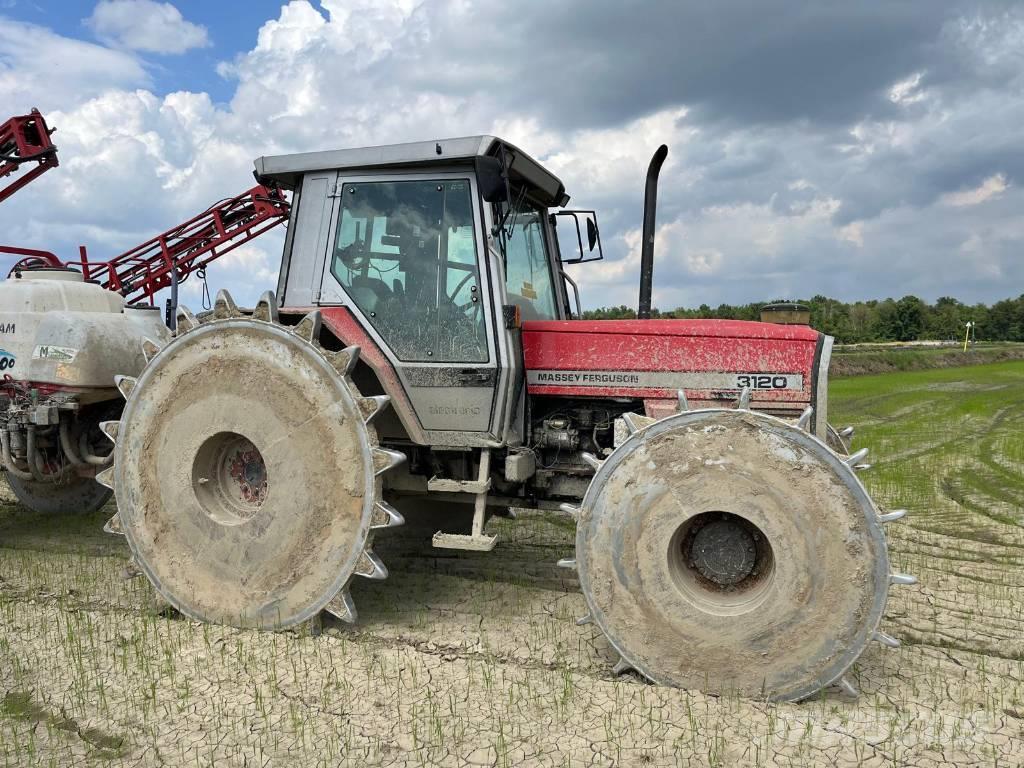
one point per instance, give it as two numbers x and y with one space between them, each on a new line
25 139
139 273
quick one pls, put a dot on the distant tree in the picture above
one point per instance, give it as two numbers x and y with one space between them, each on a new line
909 318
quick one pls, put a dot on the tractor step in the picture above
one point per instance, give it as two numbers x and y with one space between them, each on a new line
474 543
474 487
478 541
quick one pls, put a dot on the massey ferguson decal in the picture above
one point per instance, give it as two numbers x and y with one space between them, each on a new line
667 379
6 360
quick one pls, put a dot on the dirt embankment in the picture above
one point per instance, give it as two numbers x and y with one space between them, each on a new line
873 361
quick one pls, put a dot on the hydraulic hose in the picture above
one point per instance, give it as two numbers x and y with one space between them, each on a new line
10 463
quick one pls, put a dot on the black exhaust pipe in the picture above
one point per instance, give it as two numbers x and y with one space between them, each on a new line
647 248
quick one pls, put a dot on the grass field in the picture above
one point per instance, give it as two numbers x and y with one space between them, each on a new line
474 658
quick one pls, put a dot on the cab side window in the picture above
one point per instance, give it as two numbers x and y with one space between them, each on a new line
405 252
528 269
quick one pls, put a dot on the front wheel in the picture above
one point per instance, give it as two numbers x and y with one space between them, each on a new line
731 552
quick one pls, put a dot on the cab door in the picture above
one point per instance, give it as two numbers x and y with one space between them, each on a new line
405 256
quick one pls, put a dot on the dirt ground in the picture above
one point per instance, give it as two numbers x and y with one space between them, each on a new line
474 658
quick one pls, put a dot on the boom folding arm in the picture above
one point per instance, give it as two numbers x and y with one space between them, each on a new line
139 273
25 139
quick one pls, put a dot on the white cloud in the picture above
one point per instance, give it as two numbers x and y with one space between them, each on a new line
43 69
146 25
907 91
990 188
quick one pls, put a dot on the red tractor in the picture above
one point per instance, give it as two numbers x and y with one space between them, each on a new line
420 356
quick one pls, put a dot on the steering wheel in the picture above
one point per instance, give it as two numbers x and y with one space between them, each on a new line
471 308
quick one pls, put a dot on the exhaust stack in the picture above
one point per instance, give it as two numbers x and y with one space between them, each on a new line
647 248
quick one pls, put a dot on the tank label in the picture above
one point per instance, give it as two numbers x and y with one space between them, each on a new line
6 327
6 360
59 354
667 379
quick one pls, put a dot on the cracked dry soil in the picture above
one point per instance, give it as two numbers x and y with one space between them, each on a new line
474 659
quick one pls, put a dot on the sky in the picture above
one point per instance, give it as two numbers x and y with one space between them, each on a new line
857 150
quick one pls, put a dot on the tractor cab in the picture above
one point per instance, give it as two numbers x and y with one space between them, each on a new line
436 251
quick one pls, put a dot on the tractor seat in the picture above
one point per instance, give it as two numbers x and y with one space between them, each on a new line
369 292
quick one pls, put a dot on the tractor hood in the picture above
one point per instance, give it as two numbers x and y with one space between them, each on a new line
712 361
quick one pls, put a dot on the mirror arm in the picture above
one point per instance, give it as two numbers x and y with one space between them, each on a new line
576 290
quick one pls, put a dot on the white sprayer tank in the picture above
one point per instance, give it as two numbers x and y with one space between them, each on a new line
58 330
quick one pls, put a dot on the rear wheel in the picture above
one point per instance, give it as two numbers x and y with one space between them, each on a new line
730 551
70 495
247 471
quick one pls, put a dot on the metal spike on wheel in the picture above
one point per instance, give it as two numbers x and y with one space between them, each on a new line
106 478
342 607
184 321
385 460
846 433
113 525
681 404
131 570
591 460
887 640
386 516
570 509
299 453
345 360
584 620
855 458
109 428
804 422
224 307
621 667
567 562
370 567
630 420
125 385
266 308
902 579
149 348
309 327
893 516
847 687
373 406
743 401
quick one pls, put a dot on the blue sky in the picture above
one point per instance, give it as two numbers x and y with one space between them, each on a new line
858 150
232 28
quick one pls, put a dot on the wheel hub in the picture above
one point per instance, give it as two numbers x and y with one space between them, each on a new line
229 477
723 550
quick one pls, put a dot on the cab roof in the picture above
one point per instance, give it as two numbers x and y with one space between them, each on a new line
287 170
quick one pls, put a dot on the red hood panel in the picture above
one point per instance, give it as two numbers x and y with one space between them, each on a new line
711 360
738 329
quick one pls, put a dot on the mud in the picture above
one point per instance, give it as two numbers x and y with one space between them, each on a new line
470 660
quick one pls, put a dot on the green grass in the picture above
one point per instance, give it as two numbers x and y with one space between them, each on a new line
873 359
949 445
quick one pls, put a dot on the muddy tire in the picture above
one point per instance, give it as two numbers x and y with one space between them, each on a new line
731 552
247 471
72 495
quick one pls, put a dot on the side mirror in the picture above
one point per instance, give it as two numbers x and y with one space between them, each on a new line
570 237
490 179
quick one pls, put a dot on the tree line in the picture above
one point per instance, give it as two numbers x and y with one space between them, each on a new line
906 319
